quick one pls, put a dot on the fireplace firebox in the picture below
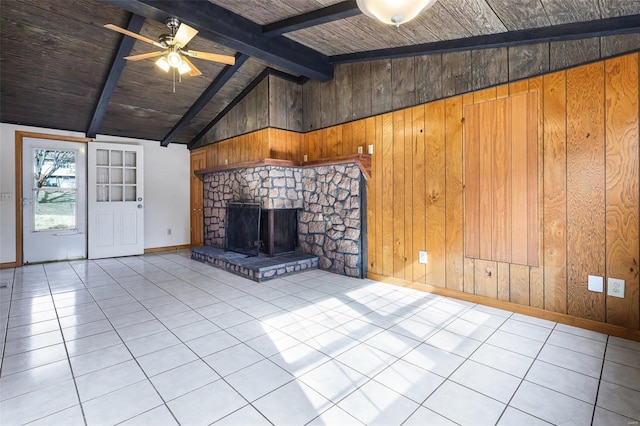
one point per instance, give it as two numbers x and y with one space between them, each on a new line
252 230
279 231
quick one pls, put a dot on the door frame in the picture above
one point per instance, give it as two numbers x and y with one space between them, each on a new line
20 135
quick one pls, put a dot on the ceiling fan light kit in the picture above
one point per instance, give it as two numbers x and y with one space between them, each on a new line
163 64
394 12
174 55
174 59
184 68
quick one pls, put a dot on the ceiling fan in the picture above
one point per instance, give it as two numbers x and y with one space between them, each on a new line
173 54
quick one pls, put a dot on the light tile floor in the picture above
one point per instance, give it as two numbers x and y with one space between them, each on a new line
161 339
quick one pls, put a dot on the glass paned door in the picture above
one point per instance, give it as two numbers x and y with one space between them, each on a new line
116 200
54 200
55 193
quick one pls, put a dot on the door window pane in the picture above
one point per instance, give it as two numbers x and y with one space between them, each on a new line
102 175
54 168
102 157
54 189
116 158
54 209
116 193
130 176
102 193
116 175
129 193
130 158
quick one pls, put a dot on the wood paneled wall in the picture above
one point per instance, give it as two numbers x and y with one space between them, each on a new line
273 103
251 114
364 89
588 180
265 143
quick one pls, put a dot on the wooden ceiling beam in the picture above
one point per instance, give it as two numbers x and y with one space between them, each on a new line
217 84
229 29
342 10
126 45
574 31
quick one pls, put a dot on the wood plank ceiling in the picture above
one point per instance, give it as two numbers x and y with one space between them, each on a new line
55 55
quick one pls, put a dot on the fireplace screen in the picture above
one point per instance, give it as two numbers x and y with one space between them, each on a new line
243 228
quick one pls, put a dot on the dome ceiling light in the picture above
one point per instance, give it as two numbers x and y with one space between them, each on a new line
394 12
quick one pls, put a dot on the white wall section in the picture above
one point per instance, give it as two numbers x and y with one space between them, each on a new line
166 183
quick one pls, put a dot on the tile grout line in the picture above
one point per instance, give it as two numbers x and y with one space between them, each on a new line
604 356
522 380
64 341
6 327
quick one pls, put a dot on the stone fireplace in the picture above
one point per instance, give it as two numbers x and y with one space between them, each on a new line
325 200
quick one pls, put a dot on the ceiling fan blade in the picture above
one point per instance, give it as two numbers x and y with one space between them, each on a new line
184 35
225 59
132 34
144 56
194 70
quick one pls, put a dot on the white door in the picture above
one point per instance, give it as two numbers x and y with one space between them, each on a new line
54 200
116 200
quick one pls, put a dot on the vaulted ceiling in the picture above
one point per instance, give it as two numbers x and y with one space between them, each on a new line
61 69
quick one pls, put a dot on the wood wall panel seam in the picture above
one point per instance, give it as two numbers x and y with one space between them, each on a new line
420 181
585 188
398 178
622 213
454 207
555 199
536 273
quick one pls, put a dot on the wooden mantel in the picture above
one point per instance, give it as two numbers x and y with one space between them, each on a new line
362 160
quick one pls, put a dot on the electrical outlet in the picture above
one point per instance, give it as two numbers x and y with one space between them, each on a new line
595 283
360 149
422 257
7 196
370 149
169 231
615 287
305 158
